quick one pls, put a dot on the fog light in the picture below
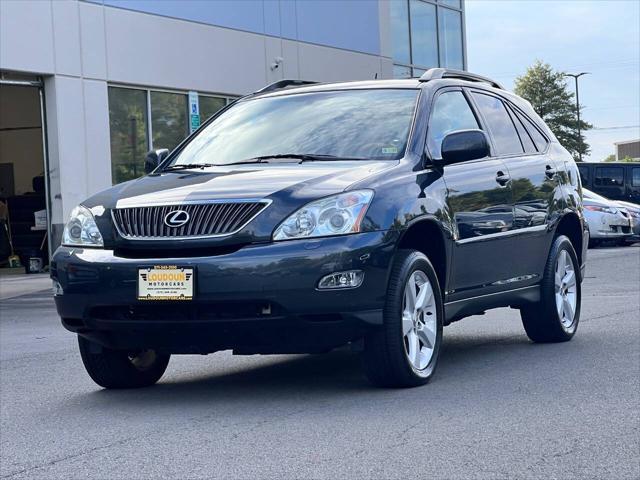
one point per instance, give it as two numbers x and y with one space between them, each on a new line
350 279
57 288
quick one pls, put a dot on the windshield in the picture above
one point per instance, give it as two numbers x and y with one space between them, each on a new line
360 124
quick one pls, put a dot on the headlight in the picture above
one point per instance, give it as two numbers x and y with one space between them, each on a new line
81 229
597 208
335 215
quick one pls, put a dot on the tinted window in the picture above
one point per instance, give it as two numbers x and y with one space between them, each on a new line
527 142
609 176
168 119
209 106
539 139
499 122
128 129
451 112
367 124
584 174
635 179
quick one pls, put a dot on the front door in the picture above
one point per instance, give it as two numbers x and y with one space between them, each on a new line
479 201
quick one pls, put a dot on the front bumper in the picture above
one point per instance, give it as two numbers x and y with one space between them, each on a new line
259 299
604 226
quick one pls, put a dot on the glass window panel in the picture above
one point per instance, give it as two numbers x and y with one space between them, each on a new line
451 112
451 3
417 72
168 119
128 131
362 124
540 141
400 31
401 72
209 106
424 38
450 26
609 176
635 179
499 123
527 142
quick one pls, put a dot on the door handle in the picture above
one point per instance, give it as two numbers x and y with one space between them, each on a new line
502 178
550 172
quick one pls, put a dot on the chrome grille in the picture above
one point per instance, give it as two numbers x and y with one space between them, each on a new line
205 220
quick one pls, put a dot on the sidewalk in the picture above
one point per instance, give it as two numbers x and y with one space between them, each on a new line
16 284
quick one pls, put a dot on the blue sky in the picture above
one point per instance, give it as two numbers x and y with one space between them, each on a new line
504 37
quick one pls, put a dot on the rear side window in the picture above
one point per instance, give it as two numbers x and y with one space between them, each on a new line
527 141
499 123
539 139
609 177
635 178
451 112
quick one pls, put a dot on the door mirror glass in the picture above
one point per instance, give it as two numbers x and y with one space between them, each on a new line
464 145
154 158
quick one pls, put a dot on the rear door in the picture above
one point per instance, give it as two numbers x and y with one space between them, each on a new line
480 205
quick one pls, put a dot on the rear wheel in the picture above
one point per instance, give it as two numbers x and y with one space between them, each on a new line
111 368
555 317
404 351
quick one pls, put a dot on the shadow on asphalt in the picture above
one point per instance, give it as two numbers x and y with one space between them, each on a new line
327 376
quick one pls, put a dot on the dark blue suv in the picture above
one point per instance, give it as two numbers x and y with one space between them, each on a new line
305 217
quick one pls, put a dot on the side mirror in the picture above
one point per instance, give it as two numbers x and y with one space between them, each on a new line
464 145
154 158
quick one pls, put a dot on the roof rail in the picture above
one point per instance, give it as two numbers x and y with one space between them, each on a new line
282 84
437 73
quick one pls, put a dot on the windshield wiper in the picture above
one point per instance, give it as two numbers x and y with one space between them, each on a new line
187 166
303 157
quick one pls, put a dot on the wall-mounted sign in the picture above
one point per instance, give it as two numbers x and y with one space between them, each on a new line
194 112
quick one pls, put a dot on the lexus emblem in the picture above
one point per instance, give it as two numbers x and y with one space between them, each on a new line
176 218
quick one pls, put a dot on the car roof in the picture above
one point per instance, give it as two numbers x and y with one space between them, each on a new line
410 83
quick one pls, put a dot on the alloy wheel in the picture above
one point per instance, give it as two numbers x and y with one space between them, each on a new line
419 320
565 290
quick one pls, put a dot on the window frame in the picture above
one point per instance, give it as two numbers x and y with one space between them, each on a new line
439 6
633 170
534 124
229 99
485 125
474 112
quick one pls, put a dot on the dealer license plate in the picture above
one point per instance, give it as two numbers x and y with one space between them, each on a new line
165 282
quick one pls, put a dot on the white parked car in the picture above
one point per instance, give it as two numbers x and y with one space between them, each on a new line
634 212
607 220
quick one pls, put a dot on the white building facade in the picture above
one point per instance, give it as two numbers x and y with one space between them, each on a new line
119 77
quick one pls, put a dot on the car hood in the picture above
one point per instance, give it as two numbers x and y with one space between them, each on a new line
256 181
288 186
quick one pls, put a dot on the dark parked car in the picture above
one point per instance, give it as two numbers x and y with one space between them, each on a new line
303 218
615 181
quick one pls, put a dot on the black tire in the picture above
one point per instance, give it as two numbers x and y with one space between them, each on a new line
542 321
119 368
384 358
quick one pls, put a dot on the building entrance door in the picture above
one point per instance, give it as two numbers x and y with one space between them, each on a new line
24 183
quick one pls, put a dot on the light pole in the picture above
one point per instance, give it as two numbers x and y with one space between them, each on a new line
575 77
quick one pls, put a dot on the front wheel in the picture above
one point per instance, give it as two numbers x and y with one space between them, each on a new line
555 317
404 351
111 368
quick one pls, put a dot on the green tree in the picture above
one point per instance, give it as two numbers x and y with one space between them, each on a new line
610 158
547 92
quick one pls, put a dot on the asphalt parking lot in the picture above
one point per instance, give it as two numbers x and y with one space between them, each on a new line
499 406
